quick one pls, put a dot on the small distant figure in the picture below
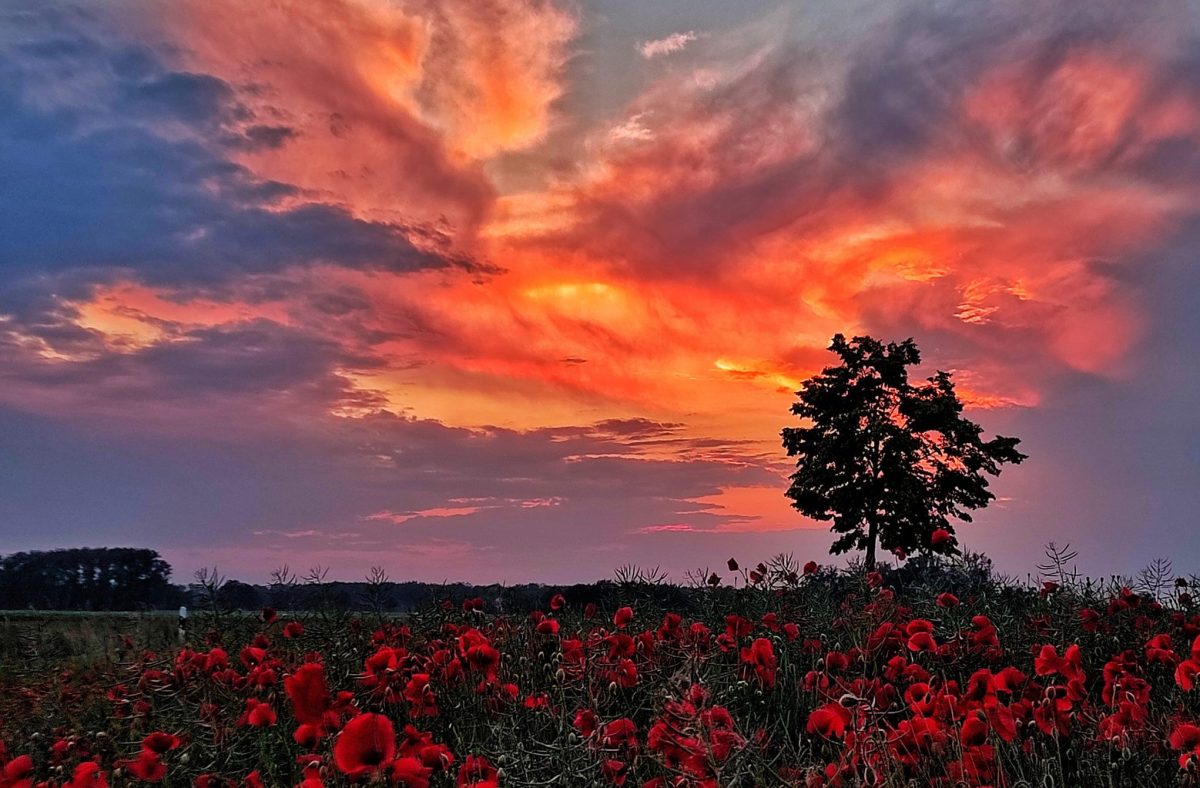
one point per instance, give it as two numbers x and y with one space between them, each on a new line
183 621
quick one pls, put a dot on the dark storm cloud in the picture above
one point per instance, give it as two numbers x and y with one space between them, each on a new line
133 173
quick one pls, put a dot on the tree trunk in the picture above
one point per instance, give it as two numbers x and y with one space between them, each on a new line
872 536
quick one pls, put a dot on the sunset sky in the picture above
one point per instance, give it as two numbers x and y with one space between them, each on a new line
521 289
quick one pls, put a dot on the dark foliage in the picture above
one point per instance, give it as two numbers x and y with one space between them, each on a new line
86 578
889 463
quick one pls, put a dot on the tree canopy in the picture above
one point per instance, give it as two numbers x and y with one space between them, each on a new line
888 462
86 578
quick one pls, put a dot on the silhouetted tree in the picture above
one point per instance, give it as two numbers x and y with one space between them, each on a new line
888 462
86 578
236 595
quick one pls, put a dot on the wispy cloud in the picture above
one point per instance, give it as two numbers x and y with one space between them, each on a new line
666 45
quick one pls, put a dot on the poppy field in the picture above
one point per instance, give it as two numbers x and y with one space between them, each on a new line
776 675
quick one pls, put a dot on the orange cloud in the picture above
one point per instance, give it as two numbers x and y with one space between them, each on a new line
693 264
389 106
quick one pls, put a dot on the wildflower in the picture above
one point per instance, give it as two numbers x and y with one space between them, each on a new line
974 731
1186 673
941 537
1186 737
585 722
625 674
308 692
147 766
829 721
920 637
258 714
620 734
759 659
18 771
159 742
307 736
623 617
409 772
87 775
365 745
478 772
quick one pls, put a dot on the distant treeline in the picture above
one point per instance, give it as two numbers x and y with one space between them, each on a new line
127 578
87 578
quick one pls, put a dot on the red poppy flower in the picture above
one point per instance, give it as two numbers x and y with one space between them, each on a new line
558 602
921 641
308 692
147 767
620 734
311 778
759 659
307 736
585 722
1186 673
87 775
478 772
17 770
974 731
625 674
941 537
365 745
258 714
1186 738
622 617
159 742
409 772
293 629
829 721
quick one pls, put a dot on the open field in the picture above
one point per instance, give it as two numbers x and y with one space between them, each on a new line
808 678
